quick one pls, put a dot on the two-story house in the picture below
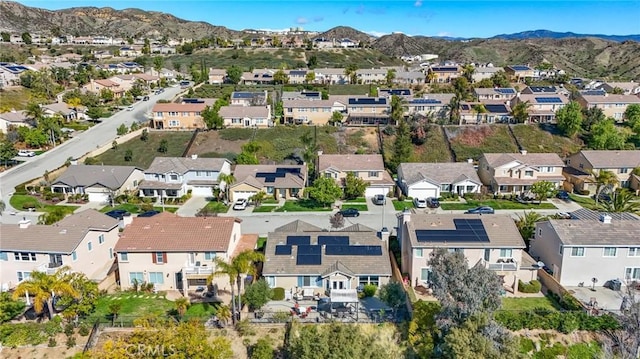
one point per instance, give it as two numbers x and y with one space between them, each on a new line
371 76
582 166
311 112
590 245
490 241
484 72
178 115
246 116
443 73
277 181
498 93
297 77
99 183
97 86
424 180
83 241
331 76
301 95
217 76
171 177
436 105
626 88
611 105
517 172
370 168
305 260
249 98
368 110
176 253
519 73
541 107
487 111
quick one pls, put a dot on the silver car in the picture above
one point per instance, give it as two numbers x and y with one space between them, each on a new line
420 203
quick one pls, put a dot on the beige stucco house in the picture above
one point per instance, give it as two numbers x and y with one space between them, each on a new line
424 180
175 253
368 110
311 112
517 172
519 73
99 183
370 168
178 115
542 107
246 116
13 118
611 105
581 165
83 241
277 181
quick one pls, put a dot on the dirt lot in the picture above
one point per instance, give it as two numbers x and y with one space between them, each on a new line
210 141
43 351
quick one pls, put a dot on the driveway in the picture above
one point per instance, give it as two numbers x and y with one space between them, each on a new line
192 206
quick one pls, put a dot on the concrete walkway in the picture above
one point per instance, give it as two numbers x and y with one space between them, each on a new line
192 206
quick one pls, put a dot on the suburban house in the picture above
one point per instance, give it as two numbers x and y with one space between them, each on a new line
249 98
589 245
97 86
484 72
488 111
246 116
60 108
170 177
498 93
516 172
519 73
543 90
443 73
301 95
542 107
368 167
581 165
307 262
489 241
297 77
409 78
611 105
627 88
176 253
277 181
390 92
368 110
424 180
436 105
13 118
371 76
178 115
83 241
331 76
257 77
10 74
99 183
311 112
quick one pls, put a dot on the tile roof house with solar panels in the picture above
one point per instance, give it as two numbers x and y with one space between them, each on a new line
310 112
492 241
435 104
301 95
517 172
369 168
249 98
366 111
313 262
519 73
611 105
444 73
590 245
297 77
542 107
498 93
277 181
485 112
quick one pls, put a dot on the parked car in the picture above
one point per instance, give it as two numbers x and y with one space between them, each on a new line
349 212
118 213
433 202
148 213
26 153
130 108
602 197
146 98
240 204
481 210
379 199
563 195
420 203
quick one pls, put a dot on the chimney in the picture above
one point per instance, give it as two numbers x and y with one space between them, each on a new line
523 152
194 157
605 218
384 234
24 223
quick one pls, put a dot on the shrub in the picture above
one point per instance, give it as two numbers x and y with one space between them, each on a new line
278 293
531 287
71 342
370 290
526 345
569 302
83 330
69 329
262 349
52 342
258 294
551 320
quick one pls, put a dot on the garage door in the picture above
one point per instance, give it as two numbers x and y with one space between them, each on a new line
242 195
372 191
422 193
201 191
98 197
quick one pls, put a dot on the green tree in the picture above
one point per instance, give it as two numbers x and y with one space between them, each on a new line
310 77
454 110
164 146
248 156
56 214
34 111
226 180
128 155
257 294
402 147
114 145
391 75
244 262
258 198
234 73
527 225
84 303
158 63
354 186
7 151
351 71
144 136
604 179
605 135
621 201
468 71
569 119
224 314
280 77
182 304
520 111
263 349
592 116
336 118
393 295
106 95
226 269
42 287
6 37
543 189
500 79
122 130
479 337
146 48
212 119
313 62
9 308
325 191
398 106
632 115
26 38
422 330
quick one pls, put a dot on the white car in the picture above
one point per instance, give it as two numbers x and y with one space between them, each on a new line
420 203
240 205
130 108
26 153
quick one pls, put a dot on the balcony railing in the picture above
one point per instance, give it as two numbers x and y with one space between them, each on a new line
195 270
503 265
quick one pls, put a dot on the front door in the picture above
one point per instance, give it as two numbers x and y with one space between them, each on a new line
247 123
179 281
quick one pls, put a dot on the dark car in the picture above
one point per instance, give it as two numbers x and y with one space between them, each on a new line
148 214
118 213
349 212
563 195
433 202
603 197
481 210
146 98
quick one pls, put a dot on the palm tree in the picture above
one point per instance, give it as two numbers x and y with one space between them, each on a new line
228 180
34 111
226 269
182 304
468 71
520 111
527 225
454 110
603 179
223 313
621 201
258 198
244 264
351 72
431 76
397 108
480 111
43 287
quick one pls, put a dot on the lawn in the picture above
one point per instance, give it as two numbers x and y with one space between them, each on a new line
529 303
541 139
349 90
144 152
262 241
435 147
264 209
495 204
401 205
132 306
303 205
473 141
215 207
586 202
201 310
17 201
134 208
359 207
356 200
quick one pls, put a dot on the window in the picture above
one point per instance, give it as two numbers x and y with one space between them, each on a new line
610 252
23 275
418 253
425 275
506 253
89 246
209 256
577 252
269 190
124 256
309 281
173 177
174 123
455 250
624 170
101 239
373 173
110 253
3 256
271 281
74 256
633 252
487 254
200 173
445 187
137 277
632 273
528 173
156 277
364 280
24 256
159 257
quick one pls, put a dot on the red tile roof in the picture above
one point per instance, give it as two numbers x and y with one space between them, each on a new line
167 232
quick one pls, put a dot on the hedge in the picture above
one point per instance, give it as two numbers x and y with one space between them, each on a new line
531 287
370 290
564 322
278 293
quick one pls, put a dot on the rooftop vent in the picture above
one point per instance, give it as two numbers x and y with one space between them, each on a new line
605 218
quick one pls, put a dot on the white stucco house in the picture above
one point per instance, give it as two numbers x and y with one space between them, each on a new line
424 180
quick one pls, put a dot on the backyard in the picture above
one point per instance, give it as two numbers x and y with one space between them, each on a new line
529 303
473 141
23 201
542 138
434 149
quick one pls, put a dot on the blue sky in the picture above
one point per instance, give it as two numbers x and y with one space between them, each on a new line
416 17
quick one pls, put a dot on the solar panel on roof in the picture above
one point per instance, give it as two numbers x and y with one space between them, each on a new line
283 250
269 179
496 108
426 100
333 240
367 101
548 100
309 249
466 230
520 67
298 240
313 259
505 90
337 250
346 250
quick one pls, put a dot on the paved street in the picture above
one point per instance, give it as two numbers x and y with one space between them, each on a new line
95 137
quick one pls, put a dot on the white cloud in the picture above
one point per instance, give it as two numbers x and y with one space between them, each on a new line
376 33
418 3
444 33
302 20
